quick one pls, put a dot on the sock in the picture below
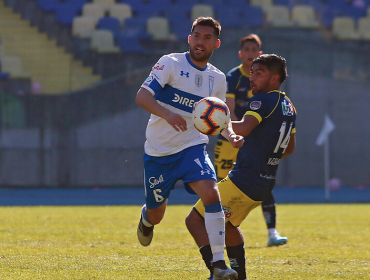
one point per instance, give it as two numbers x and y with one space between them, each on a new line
214 220
206 253
144 218
269 212
236 256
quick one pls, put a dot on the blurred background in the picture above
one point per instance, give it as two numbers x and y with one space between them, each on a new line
70 70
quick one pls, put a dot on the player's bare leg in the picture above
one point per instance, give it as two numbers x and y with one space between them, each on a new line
149 218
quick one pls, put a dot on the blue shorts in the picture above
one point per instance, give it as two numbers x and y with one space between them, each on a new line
162 173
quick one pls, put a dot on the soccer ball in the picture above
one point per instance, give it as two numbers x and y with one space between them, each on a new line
211 115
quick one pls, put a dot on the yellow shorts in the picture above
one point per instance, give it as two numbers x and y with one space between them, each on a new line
235 204
225 156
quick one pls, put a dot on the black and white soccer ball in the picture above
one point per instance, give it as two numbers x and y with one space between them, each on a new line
211 115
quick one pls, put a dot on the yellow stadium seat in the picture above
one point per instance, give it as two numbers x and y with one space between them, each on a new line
103 42
95 11
278 16
13 66
202 10
304 16
264 4
159 28
105 3
120 11
83 27
364 28
344 28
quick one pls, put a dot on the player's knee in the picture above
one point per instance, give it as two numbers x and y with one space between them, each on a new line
192 220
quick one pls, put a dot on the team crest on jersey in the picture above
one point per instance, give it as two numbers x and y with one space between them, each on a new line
255 105
198 80
287 109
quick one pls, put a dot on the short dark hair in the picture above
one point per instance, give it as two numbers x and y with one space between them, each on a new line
251 38
274 63
207 21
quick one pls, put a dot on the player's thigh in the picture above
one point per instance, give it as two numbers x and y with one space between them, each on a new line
225 156
235 204
158 180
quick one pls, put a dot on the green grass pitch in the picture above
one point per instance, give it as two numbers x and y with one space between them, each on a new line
325 242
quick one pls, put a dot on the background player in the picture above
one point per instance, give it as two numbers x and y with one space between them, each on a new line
237 98
174 149
269 130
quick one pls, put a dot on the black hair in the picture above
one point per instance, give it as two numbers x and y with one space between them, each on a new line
274 63
207 21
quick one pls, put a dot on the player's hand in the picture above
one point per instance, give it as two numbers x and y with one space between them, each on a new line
236 140
176 121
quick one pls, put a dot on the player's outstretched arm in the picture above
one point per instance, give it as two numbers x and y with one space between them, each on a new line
246 125
291 146
145 99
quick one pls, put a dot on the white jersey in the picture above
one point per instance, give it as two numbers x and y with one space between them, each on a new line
177 84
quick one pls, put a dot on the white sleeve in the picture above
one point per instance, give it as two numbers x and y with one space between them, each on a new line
160 75
221 89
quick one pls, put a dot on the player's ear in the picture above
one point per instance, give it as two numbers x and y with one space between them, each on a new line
189 38
240 54
218 44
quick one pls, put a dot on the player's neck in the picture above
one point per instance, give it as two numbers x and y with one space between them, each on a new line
200 64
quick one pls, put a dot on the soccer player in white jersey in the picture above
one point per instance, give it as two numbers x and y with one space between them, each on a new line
174 149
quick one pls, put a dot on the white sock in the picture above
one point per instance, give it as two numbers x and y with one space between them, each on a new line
215 226
145 219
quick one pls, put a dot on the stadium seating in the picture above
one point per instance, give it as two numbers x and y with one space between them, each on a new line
13 66
344 29
103 42
128 42
199 10
109 23
261 3
158 28
66 12
120 11
83 26
279 16
253 16
364 28
304 16
229 16
94 11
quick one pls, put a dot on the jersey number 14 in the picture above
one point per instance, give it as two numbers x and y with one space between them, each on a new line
283 143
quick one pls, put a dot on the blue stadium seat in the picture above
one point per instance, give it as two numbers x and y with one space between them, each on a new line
253 16
48 5
136 25
176 11
229 16
128 42
282 2
66 12
110 23
181 27
327 16
354 12
4 76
